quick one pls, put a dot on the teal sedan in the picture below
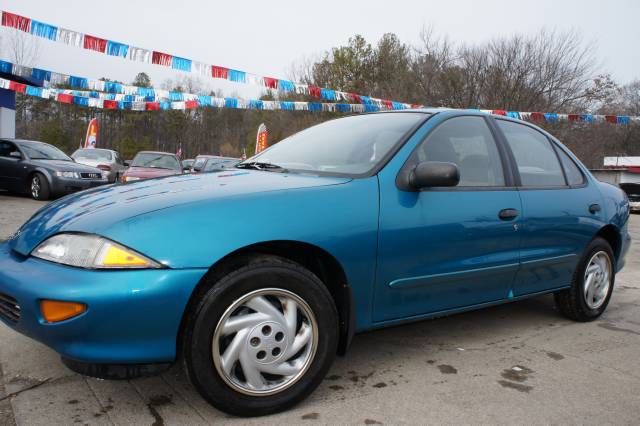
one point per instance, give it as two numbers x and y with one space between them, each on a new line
357 223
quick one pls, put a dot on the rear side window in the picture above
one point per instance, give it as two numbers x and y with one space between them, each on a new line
571 170
536 159
468 143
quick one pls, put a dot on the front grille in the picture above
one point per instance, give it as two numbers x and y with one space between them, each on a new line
9 308
90 175
634 197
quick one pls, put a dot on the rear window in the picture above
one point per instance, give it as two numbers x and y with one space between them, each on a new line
536 159
156 161
92 154
571 170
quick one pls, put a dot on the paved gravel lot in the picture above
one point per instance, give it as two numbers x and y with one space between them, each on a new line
520 363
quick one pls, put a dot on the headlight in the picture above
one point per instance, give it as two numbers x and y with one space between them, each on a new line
75 175
130 178
92 252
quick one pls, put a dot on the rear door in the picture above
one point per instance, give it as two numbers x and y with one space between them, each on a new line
556 202
447 248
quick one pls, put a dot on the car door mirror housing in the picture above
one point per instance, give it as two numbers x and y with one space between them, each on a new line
428 174
15 154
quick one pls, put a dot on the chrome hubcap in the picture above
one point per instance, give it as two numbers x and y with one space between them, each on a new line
265 342
597 280
35 186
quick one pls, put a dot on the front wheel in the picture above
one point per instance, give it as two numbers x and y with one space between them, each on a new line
261 338
39 187
592 284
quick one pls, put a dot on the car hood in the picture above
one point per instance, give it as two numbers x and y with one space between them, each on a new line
93 163
149 172
64 166
98 209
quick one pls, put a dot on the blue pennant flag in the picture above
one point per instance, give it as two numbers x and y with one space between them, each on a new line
255 104
551 117
286 86
181 64
79 82
176 96
41 29
110 86
110 96
117 49
146 91
6 67
42 75
237 76
371 108
230 103
286 105
124 105
165 105
513 114
328 94
365 100
397 105
80 100
204 100
94 94
34 91
343 107
315 106
129 98
588 118
623 119
150 98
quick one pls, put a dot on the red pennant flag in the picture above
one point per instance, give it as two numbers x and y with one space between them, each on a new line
16 21
65 99
219 72
191 104
353 97
574 117
387 103
271 83
499 112
17 87
315 91
110 104
611 119
152 106
95 43
161 58
537 116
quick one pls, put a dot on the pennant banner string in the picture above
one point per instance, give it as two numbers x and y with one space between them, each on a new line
114 48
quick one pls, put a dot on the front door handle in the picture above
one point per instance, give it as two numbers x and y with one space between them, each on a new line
508 214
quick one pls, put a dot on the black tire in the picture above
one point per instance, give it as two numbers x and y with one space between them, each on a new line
572 302
43 191
259 272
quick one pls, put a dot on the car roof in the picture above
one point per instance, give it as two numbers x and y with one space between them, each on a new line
95 149
156 152
24 141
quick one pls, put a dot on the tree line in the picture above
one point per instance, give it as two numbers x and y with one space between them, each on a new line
548 71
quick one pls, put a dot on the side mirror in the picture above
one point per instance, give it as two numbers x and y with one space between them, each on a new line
15 154
126 163
433 174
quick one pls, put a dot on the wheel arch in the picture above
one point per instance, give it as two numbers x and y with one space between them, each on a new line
317 260
611 234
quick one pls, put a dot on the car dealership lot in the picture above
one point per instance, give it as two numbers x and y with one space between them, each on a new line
516 363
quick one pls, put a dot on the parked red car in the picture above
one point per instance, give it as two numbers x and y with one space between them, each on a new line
151 164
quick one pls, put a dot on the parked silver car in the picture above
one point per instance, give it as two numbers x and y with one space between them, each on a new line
106 160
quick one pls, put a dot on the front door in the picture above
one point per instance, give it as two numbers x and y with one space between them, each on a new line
445 248
12 170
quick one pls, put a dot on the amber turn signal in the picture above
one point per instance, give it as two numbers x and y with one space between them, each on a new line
56 311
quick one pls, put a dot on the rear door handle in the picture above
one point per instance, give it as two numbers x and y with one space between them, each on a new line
508 214
594 208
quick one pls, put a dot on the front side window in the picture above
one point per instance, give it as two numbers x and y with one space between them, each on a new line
156 161
468 143
536 159
7 149
350 145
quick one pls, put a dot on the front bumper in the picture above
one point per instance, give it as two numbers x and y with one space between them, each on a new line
61 186
634 206
132 317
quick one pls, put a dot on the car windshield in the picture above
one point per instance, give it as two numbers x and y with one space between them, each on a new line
213 165
155 161
43 151
92 154
350 145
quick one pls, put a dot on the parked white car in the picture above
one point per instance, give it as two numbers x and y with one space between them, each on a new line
106 160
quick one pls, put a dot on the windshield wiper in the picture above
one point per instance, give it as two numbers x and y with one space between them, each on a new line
258 165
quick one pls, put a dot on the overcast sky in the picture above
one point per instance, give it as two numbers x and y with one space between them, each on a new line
266 37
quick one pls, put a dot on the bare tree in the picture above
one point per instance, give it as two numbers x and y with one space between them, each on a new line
22 48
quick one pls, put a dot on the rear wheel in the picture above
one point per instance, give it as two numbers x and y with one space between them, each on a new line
261 338
39 187
592 284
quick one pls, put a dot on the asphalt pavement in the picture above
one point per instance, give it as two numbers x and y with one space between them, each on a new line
520 363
